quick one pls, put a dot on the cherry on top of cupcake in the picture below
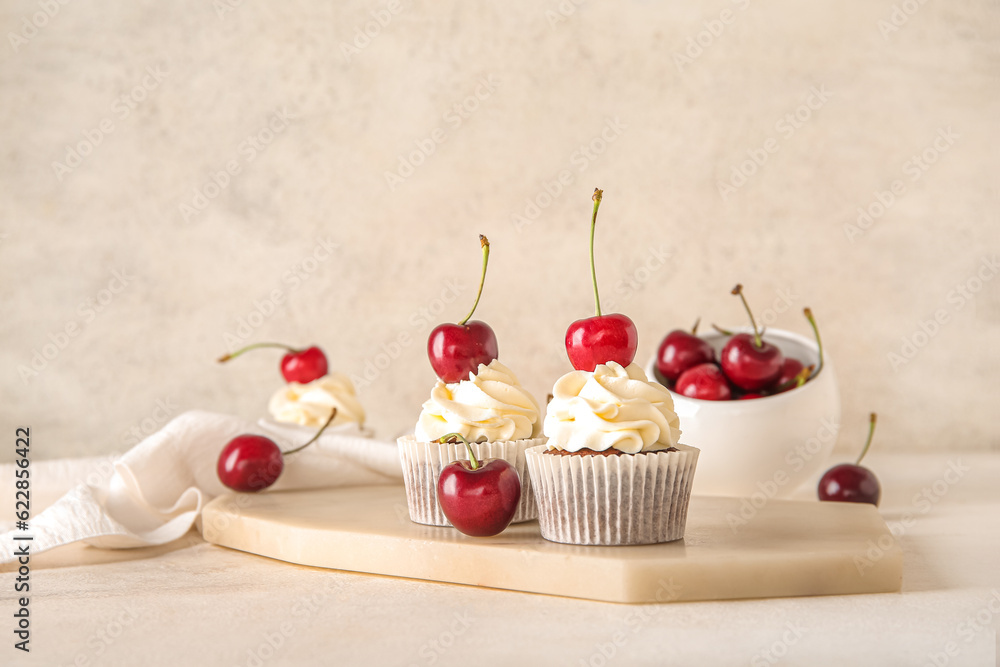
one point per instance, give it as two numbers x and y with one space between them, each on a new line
597 340
298 365
455 350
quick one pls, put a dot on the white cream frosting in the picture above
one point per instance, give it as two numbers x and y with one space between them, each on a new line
491 404
310 404
612 406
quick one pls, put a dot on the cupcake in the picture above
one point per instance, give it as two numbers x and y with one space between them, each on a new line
613 471
498 417
309 404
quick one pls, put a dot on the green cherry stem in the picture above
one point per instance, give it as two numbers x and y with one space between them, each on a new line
329 420
738 290
724 332
598 194
871 431
226 357
485 243
472 457
819 343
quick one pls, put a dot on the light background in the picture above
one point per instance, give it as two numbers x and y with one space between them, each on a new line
560 74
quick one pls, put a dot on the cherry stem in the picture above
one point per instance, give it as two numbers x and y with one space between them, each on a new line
485 243
472 457
694 329
232 355
722 331
598 194
800 379
738 290
819 343
329 420
871 431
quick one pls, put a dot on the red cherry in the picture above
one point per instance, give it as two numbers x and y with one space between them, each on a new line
602 338
748 397
302 366
748 361
704 381
250 463
455 350
598 340
851 482
680 351
790 370
479 497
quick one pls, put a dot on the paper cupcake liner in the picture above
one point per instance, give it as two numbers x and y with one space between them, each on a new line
612 500
424 461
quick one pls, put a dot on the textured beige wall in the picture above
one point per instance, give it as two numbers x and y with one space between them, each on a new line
173 93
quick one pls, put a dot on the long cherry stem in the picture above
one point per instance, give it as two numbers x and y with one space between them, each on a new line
485 243
598 194
472 457
871 431
819 343
333 413
724 332
738 290
226 357
694 329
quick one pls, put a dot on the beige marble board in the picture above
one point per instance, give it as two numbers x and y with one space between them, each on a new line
786 548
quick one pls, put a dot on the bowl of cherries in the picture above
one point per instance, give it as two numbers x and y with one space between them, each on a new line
763 406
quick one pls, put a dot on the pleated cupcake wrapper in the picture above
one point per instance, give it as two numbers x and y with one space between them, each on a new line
612 500
424 461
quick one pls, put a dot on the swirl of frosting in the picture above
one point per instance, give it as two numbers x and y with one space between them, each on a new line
310 404
491 404
612 406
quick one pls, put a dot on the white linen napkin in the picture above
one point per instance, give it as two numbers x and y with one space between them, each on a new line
160 486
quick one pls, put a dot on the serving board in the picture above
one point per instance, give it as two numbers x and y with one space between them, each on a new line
730 550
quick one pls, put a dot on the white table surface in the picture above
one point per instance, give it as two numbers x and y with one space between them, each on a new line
190 603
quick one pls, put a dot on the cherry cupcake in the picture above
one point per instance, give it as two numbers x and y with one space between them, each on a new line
498 417
613 471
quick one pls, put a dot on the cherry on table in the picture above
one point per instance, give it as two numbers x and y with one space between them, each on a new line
597 340
250 463
704 381
479 498
748 361
298 365
680 351
455 350
851 482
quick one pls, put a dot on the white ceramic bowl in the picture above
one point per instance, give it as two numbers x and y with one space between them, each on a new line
766 446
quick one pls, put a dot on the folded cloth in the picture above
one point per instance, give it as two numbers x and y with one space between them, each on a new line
159 487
